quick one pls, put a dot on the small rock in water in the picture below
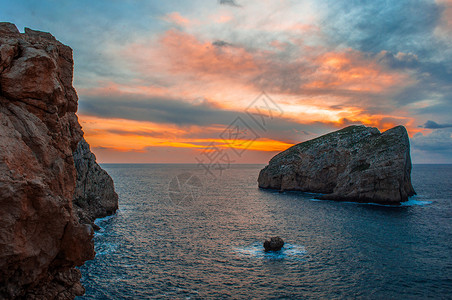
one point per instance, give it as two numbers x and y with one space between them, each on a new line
274 244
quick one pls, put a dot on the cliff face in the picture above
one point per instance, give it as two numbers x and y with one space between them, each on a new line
356 163
94 196
41 238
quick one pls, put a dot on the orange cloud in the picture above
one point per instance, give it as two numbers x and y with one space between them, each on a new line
230 73
128 135
314 87
350 70
193 68
303 28
278 44
188 53
123 134
381 121
221 18
176 18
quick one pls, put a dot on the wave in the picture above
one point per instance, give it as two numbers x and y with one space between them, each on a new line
101 222
104 219
289 251
413 202
410 202
106 248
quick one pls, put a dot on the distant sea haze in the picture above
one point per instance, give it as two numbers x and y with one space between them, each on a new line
163 245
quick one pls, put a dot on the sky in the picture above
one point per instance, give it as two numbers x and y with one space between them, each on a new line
237 81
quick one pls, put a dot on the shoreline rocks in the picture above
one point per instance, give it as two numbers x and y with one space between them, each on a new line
357 163
41 236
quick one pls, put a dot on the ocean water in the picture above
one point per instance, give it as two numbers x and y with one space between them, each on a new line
181 234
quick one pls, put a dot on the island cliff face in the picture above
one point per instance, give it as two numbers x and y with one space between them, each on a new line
357 163
41 237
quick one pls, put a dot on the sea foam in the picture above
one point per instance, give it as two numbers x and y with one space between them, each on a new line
289 251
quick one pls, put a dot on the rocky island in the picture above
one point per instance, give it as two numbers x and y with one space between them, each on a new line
51 188
357 163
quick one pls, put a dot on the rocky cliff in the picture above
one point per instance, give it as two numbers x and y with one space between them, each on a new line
94 196
41 238
356 163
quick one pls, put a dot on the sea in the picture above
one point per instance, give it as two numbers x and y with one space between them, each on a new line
182 232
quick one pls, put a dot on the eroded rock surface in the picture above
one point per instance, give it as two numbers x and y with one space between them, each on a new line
273 244
41 238
357 163
94 196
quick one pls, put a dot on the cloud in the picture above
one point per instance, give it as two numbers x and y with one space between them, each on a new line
309 81
431 82
445 25
401 37
229 2
293 69
437 141
220 44
155 109
180 52
164 110
368 83
397 61
129 135
402 26
328 63
151 133
187 114
176 18
433 125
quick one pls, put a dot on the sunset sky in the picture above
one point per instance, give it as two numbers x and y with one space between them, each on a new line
183 81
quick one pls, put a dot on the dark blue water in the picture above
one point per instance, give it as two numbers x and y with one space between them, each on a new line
204 242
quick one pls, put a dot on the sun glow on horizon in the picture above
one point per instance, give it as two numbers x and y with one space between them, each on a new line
129 135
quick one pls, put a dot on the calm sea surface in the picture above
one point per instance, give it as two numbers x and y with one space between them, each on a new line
181 234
